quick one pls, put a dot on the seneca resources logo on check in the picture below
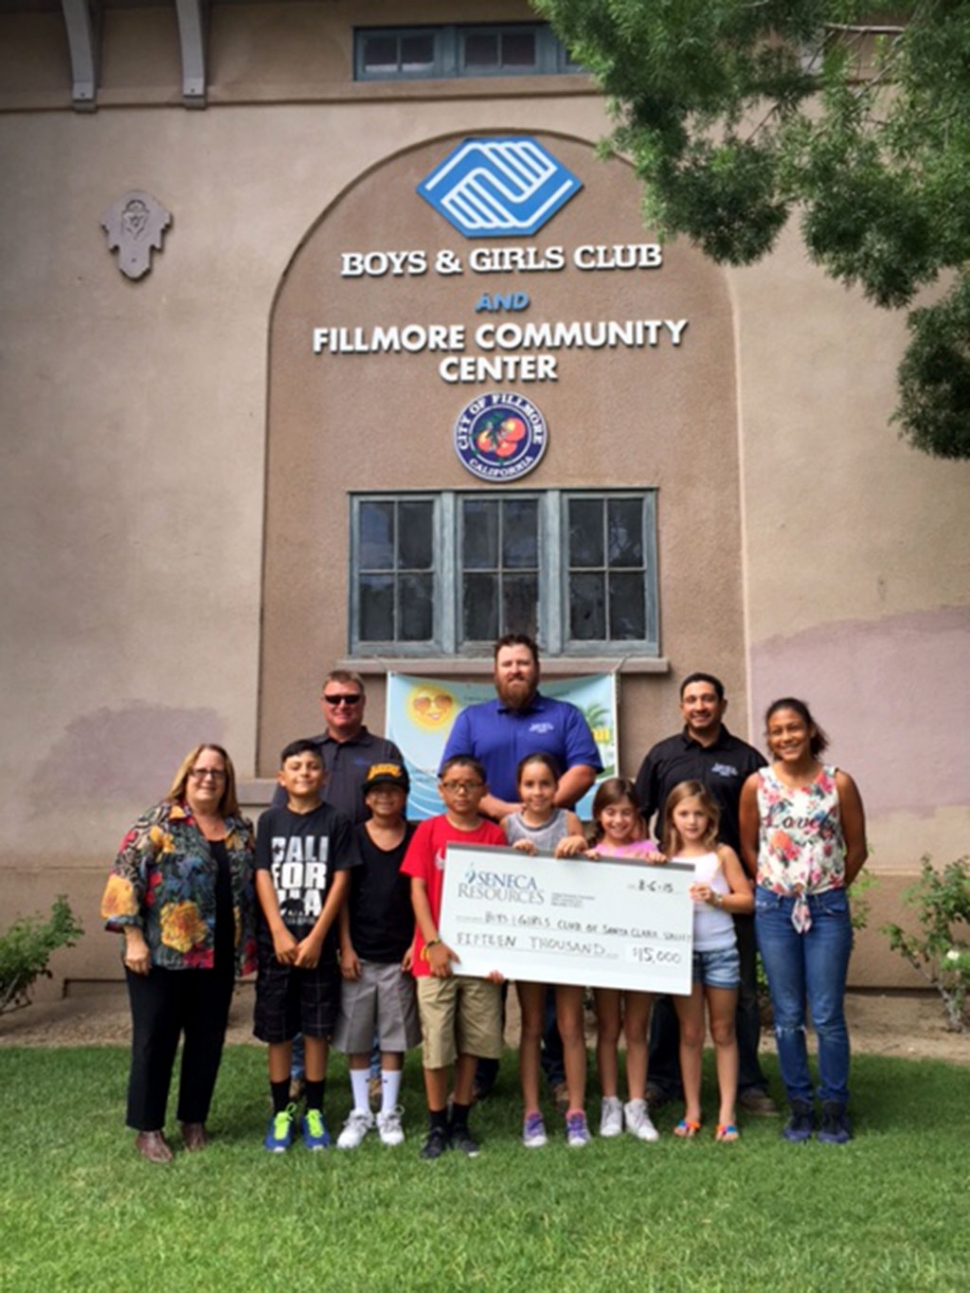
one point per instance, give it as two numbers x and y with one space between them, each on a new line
489 188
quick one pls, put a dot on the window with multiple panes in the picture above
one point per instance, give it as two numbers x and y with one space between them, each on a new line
453 50
450 572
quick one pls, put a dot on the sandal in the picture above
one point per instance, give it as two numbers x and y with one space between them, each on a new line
687 1128
726 1132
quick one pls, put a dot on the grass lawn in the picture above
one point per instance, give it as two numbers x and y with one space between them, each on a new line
80 1210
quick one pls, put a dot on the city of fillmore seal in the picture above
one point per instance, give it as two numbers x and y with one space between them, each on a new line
500 436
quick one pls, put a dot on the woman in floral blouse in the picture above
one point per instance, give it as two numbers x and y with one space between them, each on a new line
181 891
803 837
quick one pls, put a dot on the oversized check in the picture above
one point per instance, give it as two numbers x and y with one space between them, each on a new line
612 923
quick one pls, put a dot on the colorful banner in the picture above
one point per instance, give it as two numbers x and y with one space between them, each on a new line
421 711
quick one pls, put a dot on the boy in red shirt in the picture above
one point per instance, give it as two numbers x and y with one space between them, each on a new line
461 1018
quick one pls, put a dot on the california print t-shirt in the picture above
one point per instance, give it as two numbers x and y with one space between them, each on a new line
302 852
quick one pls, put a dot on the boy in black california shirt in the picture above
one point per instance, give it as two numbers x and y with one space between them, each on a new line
304 852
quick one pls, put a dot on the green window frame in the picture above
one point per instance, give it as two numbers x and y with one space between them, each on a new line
451 51
446 573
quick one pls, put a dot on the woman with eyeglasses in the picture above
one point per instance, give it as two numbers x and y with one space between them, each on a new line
181 892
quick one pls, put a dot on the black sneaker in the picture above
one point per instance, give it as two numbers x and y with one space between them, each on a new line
460 1138
801 1124
755 1100
656 1097
435 1144
835 1128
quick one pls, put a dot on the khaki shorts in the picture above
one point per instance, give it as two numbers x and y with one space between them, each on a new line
459 1016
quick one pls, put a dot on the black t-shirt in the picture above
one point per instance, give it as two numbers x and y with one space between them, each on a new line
225 938
381 916
722 767
302 852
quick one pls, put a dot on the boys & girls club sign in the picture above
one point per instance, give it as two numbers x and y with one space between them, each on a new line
488 188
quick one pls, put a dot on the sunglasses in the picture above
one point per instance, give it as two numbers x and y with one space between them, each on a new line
340 698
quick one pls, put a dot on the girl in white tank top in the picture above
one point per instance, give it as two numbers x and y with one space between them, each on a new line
720 888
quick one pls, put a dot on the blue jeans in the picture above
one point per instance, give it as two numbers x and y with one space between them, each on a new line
813 966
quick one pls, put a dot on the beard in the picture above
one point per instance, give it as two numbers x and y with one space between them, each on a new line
516 694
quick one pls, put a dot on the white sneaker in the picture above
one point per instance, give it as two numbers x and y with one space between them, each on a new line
638 1121
355 1129
389 1127
611 1117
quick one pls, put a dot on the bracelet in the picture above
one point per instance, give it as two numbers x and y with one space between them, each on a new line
434 942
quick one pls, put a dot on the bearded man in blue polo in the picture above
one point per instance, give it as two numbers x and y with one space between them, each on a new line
499 734
520 721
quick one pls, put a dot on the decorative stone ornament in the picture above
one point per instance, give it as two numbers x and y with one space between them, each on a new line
134 225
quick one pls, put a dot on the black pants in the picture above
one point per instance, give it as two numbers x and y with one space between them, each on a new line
553 1065
164 1005
664 1063
551 1058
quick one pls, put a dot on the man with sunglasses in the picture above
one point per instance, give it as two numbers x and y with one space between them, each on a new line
347 748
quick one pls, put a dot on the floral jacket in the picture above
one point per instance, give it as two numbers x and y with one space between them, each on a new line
164 881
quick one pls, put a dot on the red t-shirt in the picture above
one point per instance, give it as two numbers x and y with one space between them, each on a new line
425 859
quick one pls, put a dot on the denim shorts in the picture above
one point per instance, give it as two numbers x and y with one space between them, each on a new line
720 969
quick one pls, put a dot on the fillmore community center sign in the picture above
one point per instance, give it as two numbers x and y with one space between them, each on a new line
486 188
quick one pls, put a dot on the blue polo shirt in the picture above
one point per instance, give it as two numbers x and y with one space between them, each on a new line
500 738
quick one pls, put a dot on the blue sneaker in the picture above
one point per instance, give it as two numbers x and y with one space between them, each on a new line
836 1128
315 1134
801 1124
279 1135
534 1132
577 1132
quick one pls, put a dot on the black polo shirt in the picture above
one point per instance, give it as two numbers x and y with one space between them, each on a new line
722 767
347 764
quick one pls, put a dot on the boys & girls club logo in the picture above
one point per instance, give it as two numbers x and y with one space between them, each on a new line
500 436
490 188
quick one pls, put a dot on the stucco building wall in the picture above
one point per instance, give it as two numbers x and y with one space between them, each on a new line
143 561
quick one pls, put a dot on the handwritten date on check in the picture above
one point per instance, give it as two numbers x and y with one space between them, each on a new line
611 923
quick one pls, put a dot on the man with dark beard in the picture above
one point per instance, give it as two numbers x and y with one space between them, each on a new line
501 732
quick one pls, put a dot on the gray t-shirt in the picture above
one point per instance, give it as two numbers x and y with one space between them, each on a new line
545 838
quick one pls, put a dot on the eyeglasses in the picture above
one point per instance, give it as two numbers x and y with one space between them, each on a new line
342 698
200 774
458 787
